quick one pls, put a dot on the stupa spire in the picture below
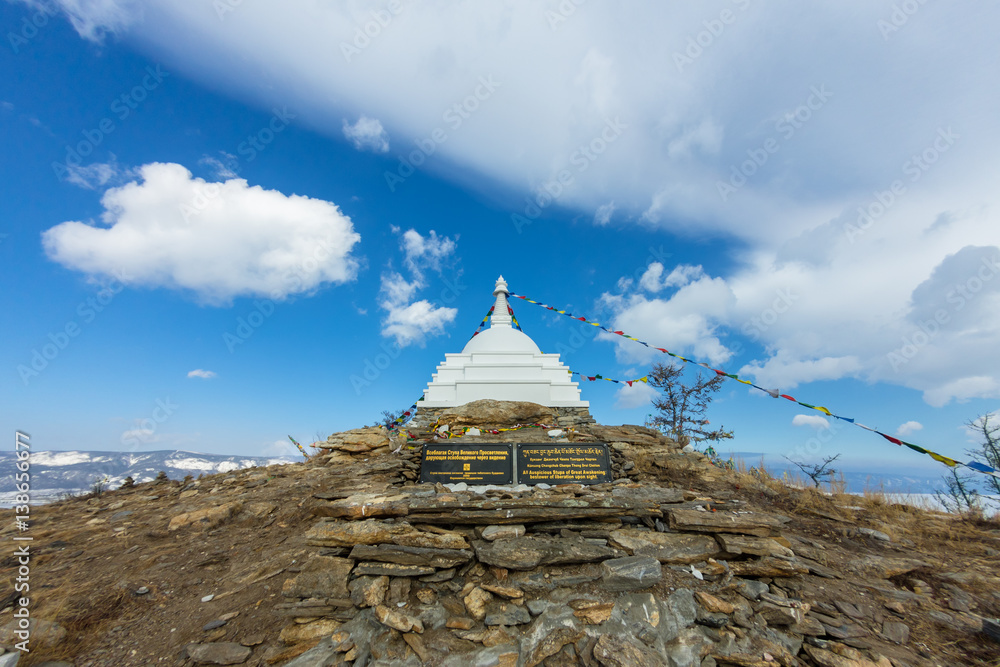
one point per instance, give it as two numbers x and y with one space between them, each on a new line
501 314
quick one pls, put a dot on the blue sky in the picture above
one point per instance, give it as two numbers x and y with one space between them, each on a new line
226 222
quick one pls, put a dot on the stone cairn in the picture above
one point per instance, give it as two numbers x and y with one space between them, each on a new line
621 573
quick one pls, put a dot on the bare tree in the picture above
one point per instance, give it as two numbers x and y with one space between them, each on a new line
682 407
388 418
959 495
817 471
989 448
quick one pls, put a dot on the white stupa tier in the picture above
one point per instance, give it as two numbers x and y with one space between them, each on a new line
504 364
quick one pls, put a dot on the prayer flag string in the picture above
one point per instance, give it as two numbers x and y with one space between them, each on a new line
774 393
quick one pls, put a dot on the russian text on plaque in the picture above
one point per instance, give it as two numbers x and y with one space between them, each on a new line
584 463
473 464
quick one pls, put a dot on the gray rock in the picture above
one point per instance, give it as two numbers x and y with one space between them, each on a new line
531 551
118 516
896 632
666 547
875 534
212 625
751 589
321 655
619 650
512 615
536 607
10 659
631 573
491 533
392 553
218 653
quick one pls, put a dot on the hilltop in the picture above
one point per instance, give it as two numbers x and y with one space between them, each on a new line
347 559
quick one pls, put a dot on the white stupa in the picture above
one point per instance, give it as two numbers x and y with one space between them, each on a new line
504 364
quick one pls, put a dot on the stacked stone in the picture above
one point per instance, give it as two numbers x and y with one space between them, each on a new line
612 574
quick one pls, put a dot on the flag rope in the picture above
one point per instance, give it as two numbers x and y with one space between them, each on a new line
776 393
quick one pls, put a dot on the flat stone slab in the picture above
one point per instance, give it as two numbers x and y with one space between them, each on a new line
391 570
745 523
321 577
404 555
754 546
525 553
666 547
631 574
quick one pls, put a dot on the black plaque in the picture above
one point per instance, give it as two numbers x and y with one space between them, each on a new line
584 463
450 463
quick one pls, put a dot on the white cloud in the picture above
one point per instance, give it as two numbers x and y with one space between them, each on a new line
426 252
783 372
686 322
909 427
688 126
602 215
92 176
411 321
199 373
682 274
814 421
962 389
367 134
218 240
93 18
637 395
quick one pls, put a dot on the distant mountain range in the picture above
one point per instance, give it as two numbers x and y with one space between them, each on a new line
55 474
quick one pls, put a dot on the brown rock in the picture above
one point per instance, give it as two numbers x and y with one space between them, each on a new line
460 623
779 615
206 518
416 642
619 651
746 523
391 570
321 577
767 567
503 591
666 547
494 636
404 555
369 591
551 644
753 546
475 603
349 533
594 612
883 567
488 412
301 632
397 620
218 653
713 604
528 552
825 658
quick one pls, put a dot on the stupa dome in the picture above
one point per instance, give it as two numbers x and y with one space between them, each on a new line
504 364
